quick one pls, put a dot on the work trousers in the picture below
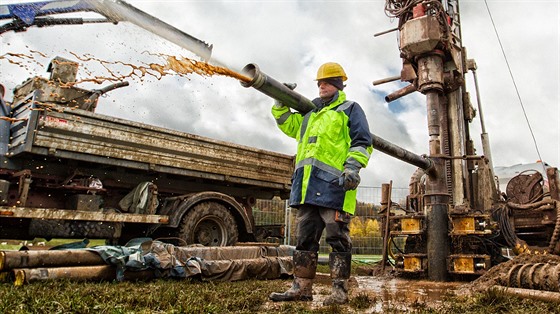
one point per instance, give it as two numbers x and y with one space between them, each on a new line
312 220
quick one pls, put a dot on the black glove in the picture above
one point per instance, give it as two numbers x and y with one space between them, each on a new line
350 177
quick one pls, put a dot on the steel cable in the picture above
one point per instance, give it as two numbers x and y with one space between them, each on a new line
514 84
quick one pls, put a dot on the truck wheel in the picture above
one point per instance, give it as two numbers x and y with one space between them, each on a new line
209 224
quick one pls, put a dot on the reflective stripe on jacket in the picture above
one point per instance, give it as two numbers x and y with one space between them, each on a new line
328 137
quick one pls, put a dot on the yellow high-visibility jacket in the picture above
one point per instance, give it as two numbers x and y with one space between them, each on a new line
334 134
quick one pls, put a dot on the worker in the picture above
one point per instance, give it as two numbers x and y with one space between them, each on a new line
334 143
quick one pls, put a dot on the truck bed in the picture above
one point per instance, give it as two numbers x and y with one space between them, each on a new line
48 130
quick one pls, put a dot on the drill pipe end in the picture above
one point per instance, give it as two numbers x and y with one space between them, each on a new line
386 80
252 71
276 90
400 93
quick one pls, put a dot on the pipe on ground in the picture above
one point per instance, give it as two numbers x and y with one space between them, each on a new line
546 296
78 273
48 258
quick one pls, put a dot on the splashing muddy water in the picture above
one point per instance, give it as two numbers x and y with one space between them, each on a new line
187 66
110 72
119 71
181 66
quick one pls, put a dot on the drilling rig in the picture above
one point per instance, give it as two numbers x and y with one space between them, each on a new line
457 221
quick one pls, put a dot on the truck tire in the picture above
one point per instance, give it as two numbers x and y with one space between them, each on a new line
209 224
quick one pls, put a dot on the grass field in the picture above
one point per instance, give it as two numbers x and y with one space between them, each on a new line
250 296
188 296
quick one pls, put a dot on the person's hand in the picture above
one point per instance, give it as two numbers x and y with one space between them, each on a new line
278 104
350 178
291 86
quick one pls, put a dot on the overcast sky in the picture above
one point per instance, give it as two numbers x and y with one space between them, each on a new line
289 40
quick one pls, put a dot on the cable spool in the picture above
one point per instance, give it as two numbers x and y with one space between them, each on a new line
525 187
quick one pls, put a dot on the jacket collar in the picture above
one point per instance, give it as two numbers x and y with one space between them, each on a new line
338 98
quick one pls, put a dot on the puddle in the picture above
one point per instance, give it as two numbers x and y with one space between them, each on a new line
384 294
403 294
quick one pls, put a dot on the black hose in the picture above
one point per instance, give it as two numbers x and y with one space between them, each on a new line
98 92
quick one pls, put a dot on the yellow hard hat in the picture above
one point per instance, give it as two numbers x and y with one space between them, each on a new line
331 69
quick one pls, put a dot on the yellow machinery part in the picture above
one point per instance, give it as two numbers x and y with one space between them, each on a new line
411 224
463 265
412 263
19 278
464 225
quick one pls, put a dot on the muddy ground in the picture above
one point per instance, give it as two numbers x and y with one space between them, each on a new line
371 291
386 291
496 275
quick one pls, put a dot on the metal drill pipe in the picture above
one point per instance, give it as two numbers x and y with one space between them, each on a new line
546 296
294 100
436 197
386 80
77 273
48 258
400 93
400 153
275 89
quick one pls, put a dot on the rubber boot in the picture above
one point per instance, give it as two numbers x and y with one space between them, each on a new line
305 266
340 273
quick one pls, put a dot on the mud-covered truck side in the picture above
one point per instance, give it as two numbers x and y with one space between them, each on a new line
68 172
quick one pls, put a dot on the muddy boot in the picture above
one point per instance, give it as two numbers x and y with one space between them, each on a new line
340 273
305 265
